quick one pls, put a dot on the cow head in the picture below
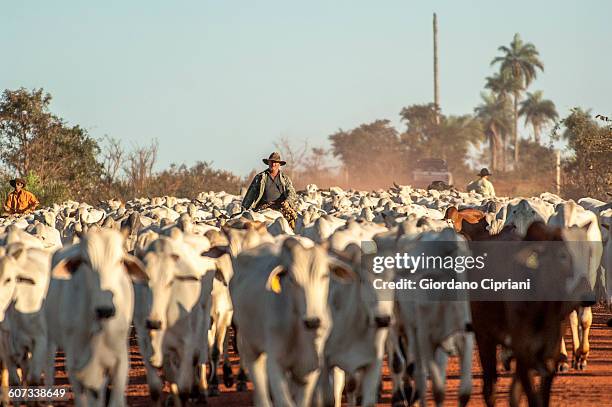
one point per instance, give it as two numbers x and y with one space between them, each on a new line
522 215
588 251
101 257
32 276
303 276
379 306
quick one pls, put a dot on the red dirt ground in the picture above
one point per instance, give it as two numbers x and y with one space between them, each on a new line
592 387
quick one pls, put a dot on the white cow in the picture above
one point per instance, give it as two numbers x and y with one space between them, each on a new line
436 329
180 280
25 318
354 232
280 310
226 246
605 221
594 205
570 214
221 313
8 268
89 311
48 235
525 212
361 317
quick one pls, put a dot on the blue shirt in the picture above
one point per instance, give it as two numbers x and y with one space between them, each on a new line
274 188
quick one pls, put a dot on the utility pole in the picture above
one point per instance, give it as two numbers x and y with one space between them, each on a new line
435 61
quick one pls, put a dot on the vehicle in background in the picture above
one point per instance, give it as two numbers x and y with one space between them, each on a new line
429 170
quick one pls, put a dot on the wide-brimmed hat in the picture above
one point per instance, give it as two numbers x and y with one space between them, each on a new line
484 172
274 157
14 182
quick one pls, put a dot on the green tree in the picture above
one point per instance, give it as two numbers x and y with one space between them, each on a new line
495 115
502 85
588 171
538 112
34 141
450 139
520 62
184 181
24 121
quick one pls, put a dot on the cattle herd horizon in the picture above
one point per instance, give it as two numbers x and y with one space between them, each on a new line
187 276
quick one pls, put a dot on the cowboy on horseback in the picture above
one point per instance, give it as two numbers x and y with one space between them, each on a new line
272 189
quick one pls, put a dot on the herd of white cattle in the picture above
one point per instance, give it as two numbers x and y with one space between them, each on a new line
309 326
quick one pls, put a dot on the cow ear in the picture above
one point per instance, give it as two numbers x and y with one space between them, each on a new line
341 270
125 232
451 212
216 252
65 268
16 251
135 269
219 276
528 258
274 284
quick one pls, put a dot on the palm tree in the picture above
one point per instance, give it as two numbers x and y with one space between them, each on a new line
518 61
538 112
494 114
503 85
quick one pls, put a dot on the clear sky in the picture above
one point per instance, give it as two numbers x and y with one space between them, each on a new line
222 80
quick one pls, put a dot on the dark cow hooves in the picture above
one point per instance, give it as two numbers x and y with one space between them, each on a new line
350 385
155 395
506 363
228 376
398 400
213 391
412 394
464 399
563 365
197 394
228 381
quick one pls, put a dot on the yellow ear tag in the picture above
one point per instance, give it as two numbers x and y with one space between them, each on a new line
532 261
275 284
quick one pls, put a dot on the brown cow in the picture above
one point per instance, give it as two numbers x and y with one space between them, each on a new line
469 215
531 330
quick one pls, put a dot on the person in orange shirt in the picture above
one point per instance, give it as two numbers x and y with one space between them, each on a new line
19 201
